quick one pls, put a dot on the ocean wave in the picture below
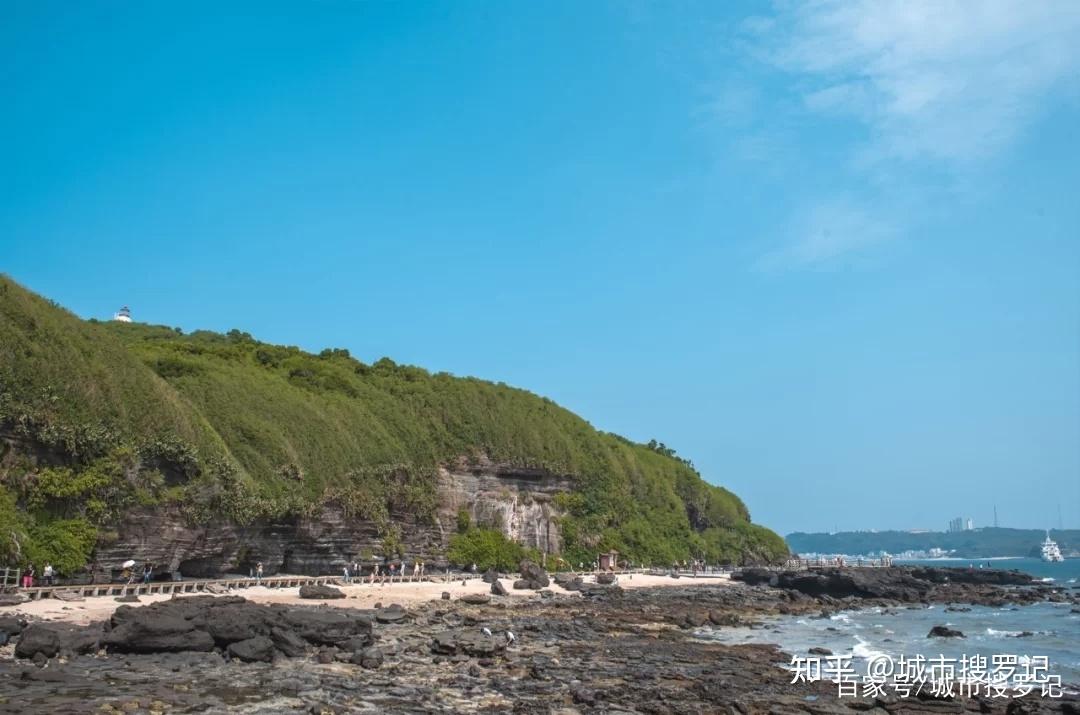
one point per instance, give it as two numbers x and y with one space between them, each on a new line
863 650
994 633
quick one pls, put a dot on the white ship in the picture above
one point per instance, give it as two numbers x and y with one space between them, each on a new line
1050 550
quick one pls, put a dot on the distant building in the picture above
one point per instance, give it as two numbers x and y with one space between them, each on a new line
960 524
123 315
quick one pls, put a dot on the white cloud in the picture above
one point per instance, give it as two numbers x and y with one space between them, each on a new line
939 85
827 230
933 79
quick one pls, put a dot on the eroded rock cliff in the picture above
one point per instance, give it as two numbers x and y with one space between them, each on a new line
518 501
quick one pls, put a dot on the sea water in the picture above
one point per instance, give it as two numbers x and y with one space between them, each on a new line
1060 573
1044 629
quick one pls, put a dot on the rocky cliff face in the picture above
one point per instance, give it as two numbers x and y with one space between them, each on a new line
518 501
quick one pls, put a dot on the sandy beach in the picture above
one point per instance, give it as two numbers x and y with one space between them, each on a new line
361 596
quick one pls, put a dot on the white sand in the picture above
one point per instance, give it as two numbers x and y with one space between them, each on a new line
357 596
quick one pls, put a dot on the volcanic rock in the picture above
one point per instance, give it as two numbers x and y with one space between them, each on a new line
370 658
292 645
317 591
476 599
534 573
12 625
944 632
392 614
257 649
49 639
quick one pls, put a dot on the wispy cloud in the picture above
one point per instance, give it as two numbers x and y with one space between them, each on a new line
828 230
938 84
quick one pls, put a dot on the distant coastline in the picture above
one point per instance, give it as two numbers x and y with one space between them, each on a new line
978 544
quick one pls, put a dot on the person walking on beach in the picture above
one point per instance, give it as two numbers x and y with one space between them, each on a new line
28 576
49 574
345 573
147 572
258 572
421 570
415 570
371 579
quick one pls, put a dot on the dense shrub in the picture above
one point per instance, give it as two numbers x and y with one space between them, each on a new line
487 548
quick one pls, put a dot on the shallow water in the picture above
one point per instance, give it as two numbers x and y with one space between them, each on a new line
1060 573
1055 633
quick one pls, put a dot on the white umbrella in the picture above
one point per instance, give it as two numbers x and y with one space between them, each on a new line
129 563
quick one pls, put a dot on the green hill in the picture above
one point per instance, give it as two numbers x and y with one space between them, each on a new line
98 418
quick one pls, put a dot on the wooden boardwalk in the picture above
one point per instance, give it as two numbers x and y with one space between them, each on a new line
170 587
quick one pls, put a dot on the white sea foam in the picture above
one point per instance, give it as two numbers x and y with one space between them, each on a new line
863 650
995 633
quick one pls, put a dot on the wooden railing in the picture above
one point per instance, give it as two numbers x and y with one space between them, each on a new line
171 587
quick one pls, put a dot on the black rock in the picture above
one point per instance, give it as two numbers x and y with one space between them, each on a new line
392 614
326 626
534 573
569 581
474 643
12 625
944 632
309 590
355 644
497 589
446 595
154 630
475 599
49 639
233 622
370 658
257 649
755 576
605 579
818 650
490 576
288 642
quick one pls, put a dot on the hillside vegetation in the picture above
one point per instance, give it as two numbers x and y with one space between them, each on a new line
98 417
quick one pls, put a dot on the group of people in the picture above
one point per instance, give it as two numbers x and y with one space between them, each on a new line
131 574
29 573
383 572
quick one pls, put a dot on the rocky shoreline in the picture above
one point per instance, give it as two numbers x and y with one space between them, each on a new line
607 650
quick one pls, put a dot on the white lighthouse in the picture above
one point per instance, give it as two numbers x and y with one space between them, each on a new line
123 315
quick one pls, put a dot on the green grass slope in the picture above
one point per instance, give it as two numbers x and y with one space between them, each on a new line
226 425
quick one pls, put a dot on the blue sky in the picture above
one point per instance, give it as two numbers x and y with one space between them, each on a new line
828 251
